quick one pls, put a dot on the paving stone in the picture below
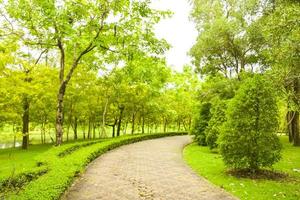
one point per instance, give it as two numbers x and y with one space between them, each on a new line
147 170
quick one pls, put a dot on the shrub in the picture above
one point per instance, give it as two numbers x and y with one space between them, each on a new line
248 139
214 125
201 123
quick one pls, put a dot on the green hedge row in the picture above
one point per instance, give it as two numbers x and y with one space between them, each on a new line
62 170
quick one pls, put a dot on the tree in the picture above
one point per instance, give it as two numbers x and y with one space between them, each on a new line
224 44
280 28
75 29
248 139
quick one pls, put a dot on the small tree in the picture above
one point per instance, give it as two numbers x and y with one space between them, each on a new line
201 123
218 117
248 139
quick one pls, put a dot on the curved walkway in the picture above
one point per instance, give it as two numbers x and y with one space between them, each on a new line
148 170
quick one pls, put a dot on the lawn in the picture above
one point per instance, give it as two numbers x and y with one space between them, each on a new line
45 172
14 161
210 165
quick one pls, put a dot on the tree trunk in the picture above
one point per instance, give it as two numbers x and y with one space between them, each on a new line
89 129
14 131
133 122
295 121
113 126
103 132
83 131
120 120
295 128
75 128
165 125
179 125
68 131
25 131
42 132
289 118
59 114
143 124
94 130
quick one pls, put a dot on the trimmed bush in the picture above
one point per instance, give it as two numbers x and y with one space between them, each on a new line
248 139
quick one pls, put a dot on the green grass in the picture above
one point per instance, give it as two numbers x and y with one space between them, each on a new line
14 161
210 166
48 171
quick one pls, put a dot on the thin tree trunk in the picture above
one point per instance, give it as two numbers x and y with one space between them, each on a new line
83 131
59 114
15 138
113 126
165 125
68 131
89 128
143 124
178 124
120 120
25 131
75 128
94 130
289 118
103 131
133 122
42 132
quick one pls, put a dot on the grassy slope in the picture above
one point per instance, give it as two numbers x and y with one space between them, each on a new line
210 166
60 170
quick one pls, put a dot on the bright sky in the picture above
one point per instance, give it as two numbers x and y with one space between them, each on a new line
178 30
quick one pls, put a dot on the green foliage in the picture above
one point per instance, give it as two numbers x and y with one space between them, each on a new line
248 140
61 170
224 44
215 123
201 123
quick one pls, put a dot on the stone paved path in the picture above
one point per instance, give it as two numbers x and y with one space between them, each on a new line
148 170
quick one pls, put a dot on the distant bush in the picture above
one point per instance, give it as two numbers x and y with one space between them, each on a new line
248 139
201 123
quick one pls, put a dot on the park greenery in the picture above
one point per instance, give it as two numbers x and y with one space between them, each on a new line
78 78
248 55
92 68
45 172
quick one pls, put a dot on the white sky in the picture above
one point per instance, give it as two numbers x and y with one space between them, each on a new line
178 30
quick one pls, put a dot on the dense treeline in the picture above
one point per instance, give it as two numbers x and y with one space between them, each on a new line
248 54
81 67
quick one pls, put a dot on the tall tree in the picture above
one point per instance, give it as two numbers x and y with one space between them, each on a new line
76 28
280 27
